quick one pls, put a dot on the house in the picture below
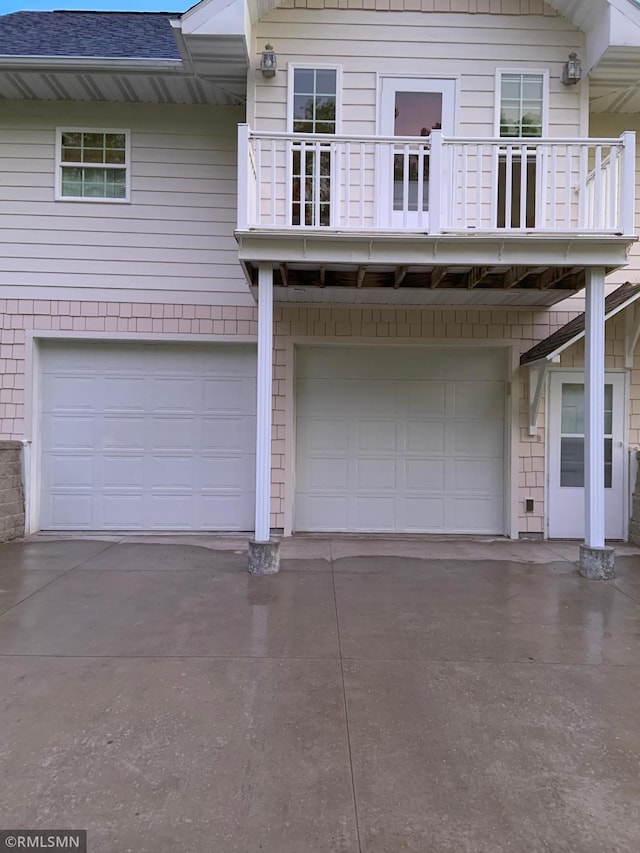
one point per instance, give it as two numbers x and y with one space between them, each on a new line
309 265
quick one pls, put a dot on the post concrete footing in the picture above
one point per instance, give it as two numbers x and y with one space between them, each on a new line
596 563
264 558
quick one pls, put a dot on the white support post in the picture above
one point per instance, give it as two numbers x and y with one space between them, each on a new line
627 183
243 177
263 409
264 555
596 561
437 177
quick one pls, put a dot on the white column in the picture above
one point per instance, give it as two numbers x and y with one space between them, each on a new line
594 409
263 408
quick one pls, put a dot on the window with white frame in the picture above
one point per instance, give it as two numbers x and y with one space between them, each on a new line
522 104
314 110
93 165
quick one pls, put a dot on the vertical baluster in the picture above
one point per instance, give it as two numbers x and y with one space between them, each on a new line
362 184
377 182
317 170
464 184
405 185
552 221
568 170
259 180
524 182
288 179
598 201
494 153
273 182
421 152
612 187
508 192
347 183
479 185
582 188
303 183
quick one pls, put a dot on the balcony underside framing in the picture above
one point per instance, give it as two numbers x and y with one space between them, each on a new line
414 268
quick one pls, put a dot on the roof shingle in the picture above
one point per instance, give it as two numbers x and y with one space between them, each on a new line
111 35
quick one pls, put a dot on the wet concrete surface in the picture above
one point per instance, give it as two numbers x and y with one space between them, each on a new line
370 698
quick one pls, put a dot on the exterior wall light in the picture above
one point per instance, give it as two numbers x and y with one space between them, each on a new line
268 63
572 70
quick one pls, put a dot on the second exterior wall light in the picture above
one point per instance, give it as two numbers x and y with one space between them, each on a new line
572 70
268 62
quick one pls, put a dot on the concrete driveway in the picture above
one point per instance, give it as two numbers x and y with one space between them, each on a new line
377 696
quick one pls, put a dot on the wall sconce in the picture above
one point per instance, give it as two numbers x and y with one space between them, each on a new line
572 70
268 63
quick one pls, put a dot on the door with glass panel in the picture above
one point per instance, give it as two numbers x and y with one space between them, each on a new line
410 108
566 455
314 112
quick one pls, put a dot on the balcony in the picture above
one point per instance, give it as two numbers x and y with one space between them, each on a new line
524 217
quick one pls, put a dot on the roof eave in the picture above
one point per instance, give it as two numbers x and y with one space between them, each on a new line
72 63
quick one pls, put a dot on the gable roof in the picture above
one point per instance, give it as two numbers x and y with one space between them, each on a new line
574 329
104 35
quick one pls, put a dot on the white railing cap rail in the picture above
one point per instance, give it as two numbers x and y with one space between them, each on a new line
458 140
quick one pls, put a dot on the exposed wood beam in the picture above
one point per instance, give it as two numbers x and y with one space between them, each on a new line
284 274
514 276
323 271
475 276
361 274
437 276
399 276
552 276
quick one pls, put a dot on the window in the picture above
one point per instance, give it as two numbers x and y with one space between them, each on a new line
313 110
521 113
93 165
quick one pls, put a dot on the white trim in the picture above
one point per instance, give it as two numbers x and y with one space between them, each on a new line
511 434
126 167
291 67
538 72
33 395
264 403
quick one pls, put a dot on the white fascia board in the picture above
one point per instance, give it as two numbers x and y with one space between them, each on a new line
216 18
90 62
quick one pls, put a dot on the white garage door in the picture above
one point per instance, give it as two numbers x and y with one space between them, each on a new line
147 437
400 439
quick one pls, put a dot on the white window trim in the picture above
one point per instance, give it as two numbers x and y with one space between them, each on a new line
538 72
291 67
59 165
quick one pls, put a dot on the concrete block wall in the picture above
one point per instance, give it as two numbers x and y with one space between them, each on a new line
11 493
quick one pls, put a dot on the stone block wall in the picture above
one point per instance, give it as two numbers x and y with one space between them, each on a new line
11 494
634 525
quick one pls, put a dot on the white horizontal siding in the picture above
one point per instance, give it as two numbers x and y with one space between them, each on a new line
175 235
441 43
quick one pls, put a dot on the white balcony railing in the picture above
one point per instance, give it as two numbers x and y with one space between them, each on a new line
435 184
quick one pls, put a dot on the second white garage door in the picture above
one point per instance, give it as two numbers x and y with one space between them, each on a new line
400 439
147 436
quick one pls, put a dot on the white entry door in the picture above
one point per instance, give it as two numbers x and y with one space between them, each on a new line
411 107
566 456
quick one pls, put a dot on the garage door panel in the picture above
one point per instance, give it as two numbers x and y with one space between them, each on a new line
375 436
425 437
378 474
121 432
315 436
478 438
477 399
121 471
225 472
71 432
122 394
425 475
373 512
477 475
154 450
422 513
325 473
69 393
408 430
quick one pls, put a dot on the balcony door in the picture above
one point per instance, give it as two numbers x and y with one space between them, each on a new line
410 108
566 455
